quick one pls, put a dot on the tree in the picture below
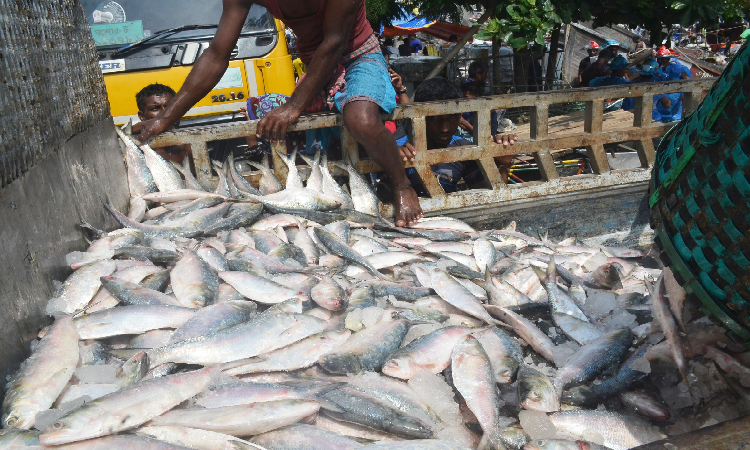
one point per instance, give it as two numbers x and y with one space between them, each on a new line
383 12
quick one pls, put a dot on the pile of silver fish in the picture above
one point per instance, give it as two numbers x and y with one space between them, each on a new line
295 317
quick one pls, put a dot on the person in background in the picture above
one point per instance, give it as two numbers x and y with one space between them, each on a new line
441 133
663 103
415 44
673 69
452 39
592 48
151 101
613 46
391 50
596 70
404 49
619 68
479 75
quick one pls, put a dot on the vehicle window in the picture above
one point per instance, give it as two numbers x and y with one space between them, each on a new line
127 21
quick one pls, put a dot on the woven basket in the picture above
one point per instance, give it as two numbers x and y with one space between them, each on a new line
700 200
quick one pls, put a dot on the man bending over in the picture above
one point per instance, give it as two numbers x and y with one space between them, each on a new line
329 33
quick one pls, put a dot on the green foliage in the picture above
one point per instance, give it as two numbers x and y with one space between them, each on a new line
382 12
519 22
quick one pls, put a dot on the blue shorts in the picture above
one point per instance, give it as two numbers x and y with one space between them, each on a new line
367 79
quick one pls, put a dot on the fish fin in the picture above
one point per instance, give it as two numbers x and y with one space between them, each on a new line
307 160
317 155
257 165
542 276
284 157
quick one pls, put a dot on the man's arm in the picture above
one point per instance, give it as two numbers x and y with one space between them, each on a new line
207 71
338 21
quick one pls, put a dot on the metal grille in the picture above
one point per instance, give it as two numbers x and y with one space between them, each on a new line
51 87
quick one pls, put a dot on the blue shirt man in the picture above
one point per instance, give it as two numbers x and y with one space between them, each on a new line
416 44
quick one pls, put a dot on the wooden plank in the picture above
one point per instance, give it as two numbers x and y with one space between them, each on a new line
598 158
593 116
642 112
483 133
349 147
646 152
202 163
691 101
421 160
539 126
546 165
492 173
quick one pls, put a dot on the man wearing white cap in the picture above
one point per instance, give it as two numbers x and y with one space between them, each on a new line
592 48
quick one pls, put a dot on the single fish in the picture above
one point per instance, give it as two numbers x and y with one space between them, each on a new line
368 349
213 258
260 289
299 199
536 392
222 187
529 332
81 287
214 318
363 197
142 253
431 352
665 319
299 355
244 393
484 254
131 320
645 405
315 180
340 248
240 182
126 408
591 359
559 301
239 215
128 293
329 295
501 293
442 223
156 231
262 335
140 180
269 184
351 405
194 282
166 177
504 353
241 420
457 295
180 195
42 376
332 188
618 431
300 436
474 379
293 180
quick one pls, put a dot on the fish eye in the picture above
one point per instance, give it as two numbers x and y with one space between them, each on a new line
57 425
11 421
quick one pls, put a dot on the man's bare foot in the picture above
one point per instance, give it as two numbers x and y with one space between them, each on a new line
407 207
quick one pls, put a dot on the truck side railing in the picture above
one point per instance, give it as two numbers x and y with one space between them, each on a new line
540 144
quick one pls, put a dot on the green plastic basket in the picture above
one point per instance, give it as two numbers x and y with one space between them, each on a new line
700 200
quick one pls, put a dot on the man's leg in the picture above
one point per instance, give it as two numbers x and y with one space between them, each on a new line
362 119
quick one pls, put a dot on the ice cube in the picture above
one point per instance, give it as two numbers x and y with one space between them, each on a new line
371 316
72 257
55 307
537 425
641 365
420 330
601 303
596 260
99 374
353 320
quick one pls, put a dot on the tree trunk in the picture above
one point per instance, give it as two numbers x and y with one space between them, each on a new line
552 58
495 66
460 44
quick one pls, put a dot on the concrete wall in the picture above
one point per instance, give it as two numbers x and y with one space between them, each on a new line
59 158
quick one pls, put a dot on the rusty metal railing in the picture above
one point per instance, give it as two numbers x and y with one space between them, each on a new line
540 144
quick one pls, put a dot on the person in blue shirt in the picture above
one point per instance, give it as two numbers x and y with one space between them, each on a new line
619 67
416 44
667 107
673 69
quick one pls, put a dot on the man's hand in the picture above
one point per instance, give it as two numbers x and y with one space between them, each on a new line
274 125
396 80
148 129
408 152
505 139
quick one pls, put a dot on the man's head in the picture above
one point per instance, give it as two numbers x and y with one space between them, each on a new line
592 48
152 100
478 71
412 37
440 129
453 38
664 57
618 65
468 88
388 42
604 56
